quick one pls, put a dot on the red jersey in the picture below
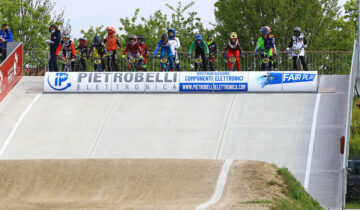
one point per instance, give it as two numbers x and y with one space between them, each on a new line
133 49
68 49
144 50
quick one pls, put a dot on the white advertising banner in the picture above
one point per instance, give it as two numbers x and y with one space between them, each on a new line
94 82
232 81
162 82
300 81
196 81
60 82
152 82
260 81
128 82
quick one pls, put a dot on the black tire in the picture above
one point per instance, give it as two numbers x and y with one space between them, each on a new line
298 64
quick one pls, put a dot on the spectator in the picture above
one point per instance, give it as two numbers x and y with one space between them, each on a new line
54 44
5 37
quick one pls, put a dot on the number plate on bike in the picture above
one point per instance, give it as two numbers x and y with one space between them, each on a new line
232 59
266 60
65 61
163 60
97 61
132 60
198 60
297 51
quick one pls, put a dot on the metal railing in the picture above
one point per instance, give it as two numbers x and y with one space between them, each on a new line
36 62
353 77
325 62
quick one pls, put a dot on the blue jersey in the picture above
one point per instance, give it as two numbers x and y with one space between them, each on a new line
169 47
7 36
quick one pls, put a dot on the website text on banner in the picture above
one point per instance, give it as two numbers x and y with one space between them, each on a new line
11 71
142 82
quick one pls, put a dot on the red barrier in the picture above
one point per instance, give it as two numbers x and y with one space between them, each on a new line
11 71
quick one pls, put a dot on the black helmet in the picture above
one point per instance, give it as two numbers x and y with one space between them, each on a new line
297 31
97 40
141 38
210 37
164 38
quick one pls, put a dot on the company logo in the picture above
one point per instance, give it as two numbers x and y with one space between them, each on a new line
14 70
269 79
298 77
58 82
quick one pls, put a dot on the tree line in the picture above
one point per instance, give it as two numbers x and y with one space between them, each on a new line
322 22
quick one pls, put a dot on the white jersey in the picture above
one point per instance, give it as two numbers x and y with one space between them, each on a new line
172 44
298 44
177 45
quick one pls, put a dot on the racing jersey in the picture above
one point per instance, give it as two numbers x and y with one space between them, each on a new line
144 50
99 51
265 44
112 43
201 47
68 49
133 49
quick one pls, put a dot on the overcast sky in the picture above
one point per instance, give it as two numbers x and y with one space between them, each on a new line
86 13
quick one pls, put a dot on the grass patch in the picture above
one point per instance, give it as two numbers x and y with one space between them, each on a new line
354 148
297 197
258 202
272 182
353 205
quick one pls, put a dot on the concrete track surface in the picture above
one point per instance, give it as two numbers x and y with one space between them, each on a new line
300 131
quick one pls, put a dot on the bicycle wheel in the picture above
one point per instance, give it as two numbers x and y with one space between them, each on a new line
298 64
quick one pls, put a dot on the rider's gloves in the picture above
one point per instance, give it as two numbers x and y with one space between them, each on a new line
123 56
241 55
141 57
288 49
225 55
189 55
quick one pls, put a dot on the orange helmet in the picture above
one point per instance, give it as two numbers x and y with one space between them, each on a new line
111 30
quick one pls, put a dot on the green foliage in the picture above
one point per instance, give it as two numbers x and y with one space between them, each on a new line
272 182
297 197
29 21
351 8
318 20
186 27
91 32
150 28
354 148
186 23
